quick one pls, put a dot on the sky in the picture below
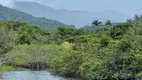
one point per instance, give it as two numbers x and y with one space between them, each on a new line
127 7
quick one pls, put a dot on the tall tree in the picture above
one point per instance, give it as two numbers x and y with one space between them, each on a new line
136 18
96 23
108 22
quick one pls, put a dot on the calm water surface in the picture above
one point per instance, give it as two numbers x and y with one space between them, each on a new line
29 75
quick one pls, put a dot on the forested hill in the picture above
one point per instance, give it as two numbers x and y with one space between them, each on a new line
12 14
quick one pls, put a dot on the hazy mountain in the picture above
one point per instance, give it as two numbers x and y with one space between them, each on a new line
11 14
76 17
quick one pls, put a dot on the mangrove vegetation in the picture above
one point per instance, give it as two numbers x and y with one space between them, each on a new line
111 52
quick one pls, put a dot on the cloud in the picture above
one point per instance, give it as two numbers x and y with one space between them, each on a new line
9 3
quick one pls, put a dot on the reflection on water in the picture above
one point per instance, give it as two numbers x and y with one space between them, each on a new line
0 76
29 75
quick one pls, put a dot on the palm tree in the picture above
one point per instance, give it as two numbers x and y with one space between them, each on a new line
108 22
96 23
136 18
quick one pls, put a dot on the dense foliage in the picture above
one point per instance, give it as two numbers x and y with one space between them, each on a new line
109 53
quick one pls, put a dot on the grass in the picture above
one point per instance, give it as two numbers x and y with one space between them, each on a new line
6 68
9 68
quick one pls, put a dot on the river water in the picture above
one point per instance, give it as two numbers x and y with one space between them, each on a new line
29 75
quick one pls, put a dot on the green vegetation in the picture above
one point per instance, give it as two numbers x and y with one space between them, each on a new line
96 23
6 68
108 23
110 53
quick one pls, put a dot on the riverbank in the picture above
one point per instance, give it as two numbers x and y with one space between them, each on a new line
10 68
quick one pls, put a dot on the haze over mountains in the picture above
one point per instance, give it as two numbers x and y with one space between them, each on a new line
12 14
71 17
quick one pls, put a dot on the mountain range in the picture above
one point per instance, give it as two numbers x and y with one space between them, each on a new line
12 14
71 17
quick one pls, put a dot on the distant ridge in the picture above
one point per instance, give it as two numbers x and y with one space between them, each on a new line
12 14
76 17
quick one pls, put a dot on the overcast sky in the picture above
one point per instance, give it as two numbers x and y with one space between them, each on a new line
128 7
